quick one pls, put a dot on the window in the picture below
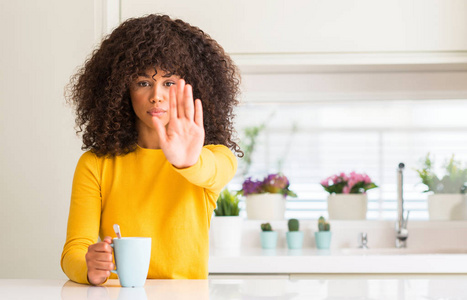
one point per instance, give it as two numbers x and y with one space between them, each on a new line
316 139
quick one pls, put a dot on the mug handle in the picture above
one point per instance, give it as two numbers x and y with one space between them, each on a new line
114 271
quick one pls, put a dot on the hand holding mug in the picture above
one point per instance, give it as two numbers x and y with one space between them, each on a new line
99 261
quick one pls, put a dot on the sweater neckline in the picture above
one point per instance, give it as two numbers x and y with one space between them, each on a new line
147 150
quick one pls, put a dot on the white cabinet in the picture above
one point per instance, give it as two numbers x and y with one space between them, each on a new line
320 26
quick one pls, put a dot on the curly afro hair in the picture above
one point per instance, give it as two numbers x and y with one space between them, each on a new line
100 89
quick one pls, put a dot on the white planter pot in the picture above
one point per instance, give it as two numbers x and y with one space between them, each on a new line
265 206
226 232
347 206
444 207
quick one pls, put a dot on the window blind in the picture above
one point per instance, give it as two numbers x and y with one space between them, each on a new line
311 141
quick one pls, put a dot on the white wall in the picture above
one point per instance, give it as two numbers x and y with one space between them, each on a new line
320 26
43 42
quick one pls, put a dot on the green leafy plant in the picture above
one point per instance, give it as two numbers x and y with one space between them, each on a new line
227 204
266 227
453 181
293 225
323 225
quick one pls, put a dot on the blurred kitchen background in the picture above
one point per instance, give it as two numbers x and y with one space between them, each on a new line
335 85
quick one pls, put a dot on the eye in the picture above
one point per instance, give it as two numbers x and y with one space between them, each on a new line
169 83
143 84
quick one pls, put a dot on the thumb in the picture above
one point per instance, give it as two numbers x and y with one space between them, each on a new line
108 240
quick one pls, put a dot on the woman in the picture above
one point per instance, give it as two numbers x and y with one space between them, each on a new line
156 159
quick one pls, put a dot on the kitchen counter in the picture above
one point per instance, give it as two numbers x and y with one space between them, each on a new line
433 247
313 261
434 287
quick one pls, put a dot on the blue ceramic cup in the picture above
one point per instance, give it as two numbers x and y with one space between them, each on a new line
132 256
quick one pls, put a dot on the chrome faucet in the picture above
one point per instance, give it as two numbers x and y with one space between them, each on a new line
401 225
363 240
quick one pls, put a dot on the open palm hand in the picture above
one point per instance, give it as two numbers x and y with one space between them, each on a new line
183 137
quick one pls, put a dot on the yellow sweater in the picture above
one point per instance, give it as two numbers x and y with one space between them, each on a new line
147 197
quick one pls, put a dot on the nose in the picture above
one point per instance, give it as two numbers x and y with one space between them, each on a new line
156 94
154 100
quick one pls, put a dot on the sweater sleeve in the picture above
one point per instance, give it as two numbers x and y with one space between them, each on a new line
83 219
216 166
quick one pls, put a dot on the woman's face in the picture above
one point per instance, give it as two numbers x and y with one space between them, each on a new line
149 95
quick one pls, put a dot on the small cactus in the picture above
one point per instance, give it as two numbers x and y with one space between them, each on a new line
266 227
323 225
293 225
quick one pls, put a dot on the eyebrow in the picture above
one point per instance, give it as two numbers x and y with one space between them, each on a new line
143 75
149 76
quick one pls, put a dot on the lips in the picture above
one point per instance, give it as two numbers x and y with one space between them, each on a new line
156 111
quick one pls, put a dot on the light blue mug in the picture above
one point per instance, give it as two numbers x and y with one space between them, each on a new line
132 257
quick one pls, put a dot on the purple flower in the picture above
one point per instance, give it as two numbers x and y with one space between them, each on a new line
252 187
273 183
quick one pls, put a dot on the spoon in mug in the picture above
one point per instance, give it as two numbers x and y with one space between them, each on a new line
117 231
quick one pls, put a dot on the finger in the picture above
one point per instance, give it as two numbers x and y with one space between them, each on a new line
104 257
180 100
99 256
173 103
97 277
102 266
188 102
108 240
199 113
101 247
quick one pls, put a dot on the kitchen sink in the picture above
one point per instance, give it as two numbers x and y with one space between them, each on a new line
400 251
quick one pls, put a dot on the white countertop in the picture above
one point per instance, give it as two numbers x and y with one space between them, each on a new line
420 257
435 287
284 261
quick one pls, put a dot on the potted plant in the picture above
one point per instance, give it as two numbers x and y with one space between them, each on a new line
294 236
226 226
347 198
323 235
265 199
268 237
447 201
